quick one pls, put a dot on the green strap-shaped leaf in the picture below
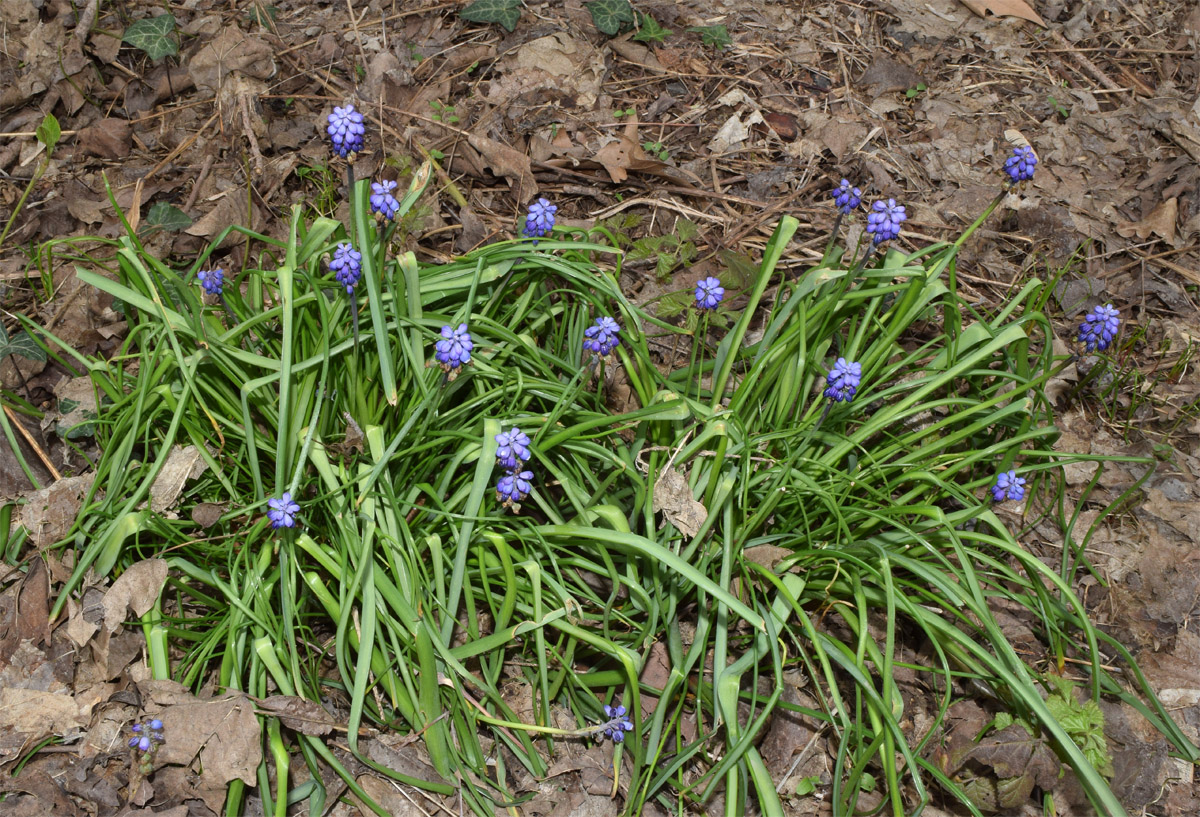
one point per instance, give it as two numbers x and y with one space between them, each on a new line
153 35
504 12
610 16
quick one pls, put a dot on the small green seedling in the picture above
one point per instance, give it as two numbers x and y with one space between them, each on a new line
915 91
443 113
618 113
713 36
651 32
657 149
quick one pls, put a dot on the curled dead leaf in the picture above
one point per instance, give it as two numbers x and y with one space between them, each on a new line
1005 8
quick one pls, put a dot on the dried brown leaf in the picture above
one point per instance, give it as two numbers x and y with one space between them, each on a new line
1160 222
49 513
508 163
1005 8
305 717
110 138
232 50
673 497
184 463
136 589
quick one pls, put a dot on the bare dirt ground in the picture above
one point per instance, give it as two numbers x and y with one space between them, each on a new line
695 147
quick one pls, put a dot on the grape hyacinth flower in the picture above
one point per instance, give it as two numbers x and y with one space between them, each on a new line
884 221
383 204
347 266
346 131
282 512
1100 327
513 450
540 220
1021 164
617 724
513 488
709 293
602 338
145 742
1008 486
846 198
213 281
454 349
843 380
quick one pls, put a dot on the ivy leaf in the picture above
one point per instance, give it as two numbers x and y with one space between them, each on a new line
504 12
651 31
167 217
22 344
742 271
610 16
715 36
153 35
49 132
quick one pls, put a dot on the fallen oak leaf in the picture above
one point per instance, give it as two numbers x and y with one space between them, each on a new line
1005 8
507 162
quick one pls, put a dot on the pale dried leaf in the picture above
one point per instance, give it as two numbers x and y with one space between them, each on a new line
232 50
1005 8
49 513
508 163
182 464
32 712
1160 222
674 498
137 589
304 716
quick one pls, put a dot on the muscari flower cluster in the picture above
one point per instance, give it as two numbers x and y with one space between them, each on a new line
1008 486
1099 328
383 204
282 512
1020 165
846 197
212 280
843 380
617 724
602 337
512 454
453 351
885 219
540 219
347 266
709 293
147 737
346 131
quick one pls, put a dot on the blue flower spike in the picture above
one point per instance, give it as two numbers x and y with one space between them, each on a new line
885 219
453 351
145 742
846 197
1008 486
383 204
212 280
540 220
709 293
1021 165
347 266
513 450
513 487
282 512
602 337
843 381
617 724
346 131
1099 328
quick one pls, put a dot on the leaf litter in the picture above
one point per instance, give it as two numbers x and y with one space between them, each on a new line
1121 172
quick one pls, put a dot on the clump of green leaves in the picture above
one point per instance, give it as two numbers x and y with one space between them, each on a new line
713 36
657 149
611 16
671 250
443 113
154 35
650 31
504 12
